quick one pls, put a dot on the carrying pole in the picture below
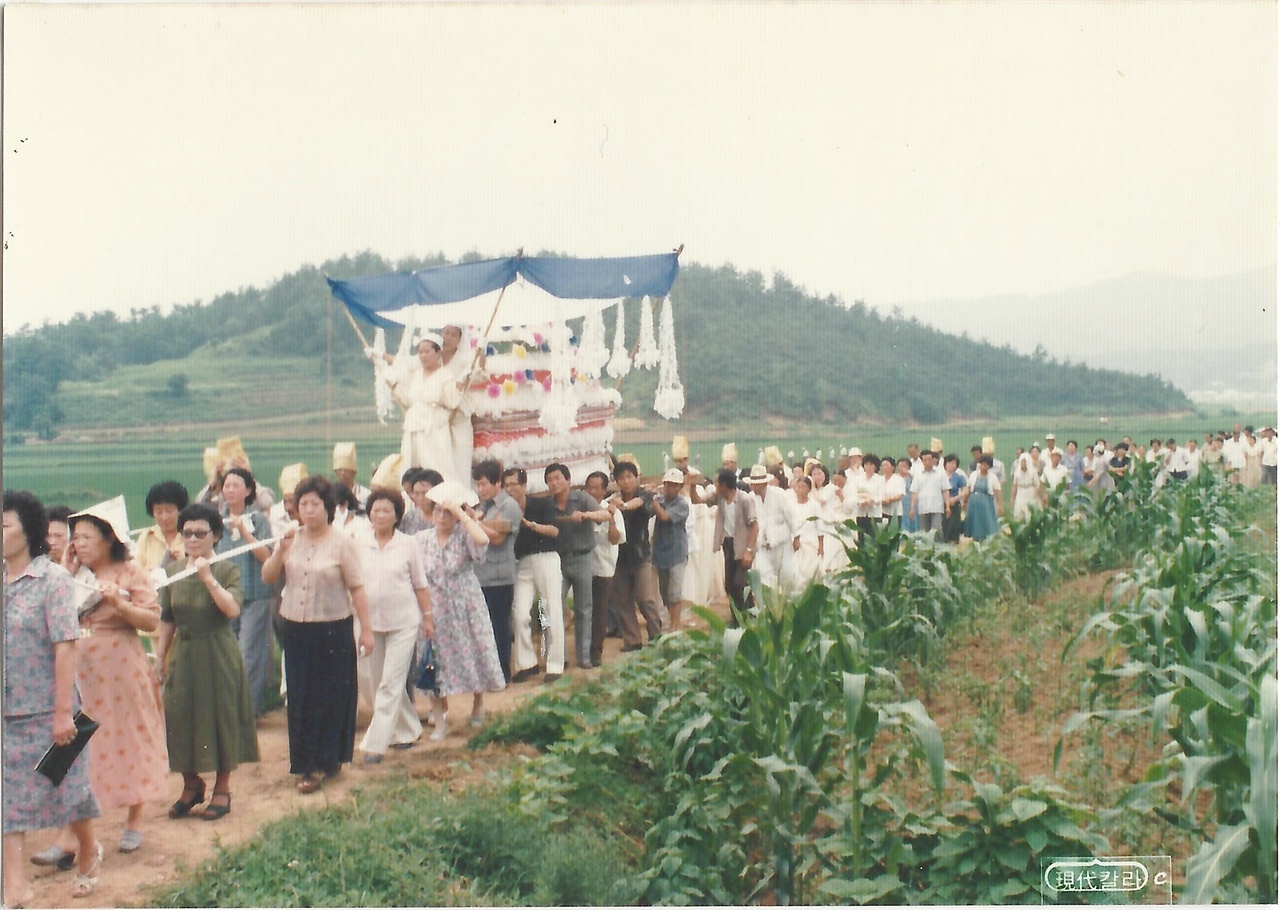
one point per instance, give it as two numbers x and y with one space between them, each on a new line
475 358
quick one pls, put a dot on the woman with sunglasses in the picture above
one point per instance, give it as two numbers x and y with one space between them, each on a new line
207 705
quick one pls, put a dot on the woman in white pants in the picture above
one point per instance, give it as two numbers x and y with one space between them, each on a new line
398 605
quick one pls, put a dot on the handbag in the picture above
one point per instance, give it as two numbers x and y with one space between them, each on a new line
57 761
423 671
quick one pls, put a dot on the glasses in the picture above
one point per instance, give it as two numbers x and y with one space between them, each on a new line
197 534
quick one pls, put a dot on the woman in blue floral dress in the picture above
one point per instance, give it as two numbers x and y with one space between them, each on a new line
40 633
466 653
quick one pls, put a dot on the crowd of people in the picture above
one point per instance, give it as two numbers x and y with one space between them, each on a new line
360 586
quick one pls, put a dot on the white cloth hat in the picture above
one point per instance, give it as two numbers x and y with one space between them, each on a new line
759 474
673 475
114 513
855 452
452 491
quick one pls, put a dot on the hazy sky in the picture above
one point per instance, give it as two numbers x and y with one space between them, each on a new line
889 152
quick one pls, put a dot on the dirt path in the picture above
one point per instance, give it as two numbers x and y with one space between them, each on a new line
261 793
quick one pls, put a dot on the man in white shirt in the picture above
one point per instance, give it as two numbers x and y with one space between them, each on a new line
779 525
1055 475
927 501
1268 445
1233 455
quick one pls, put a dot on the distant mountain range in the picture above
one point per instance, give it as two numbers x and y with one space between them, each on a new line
1214 338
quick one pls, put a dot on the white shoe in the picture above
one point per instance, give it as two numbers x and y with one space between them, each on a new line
440 732
477 720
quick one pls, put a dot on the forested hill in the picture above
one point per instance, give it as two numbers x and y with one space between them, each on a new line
747 347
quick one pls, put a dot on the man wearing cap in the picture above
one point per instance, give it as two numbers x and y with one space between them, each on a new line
779 524
735 534
671 543
575 514
633 579
1055 474
1050 446
344 470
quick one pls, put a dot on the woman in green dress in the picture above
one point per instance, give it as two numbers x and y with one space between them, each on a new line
207 707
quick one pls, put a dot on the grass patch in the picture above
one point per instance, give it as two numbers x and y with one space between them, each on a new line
401 844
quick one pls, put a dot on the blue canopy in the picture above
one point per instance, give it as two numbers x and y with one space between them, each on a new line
574 279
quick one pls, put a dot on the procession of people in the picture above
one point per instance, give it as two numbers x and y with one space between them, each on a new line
175 638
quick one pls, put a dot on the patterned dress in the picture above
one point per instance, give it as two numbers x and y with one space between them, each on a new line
39 612
466 655
128 757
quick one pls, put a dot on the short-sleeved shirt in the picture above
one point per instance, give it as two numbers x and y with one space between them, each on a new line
577 538
39 612
499 566
393 574
670 540
637 549
927 490
539 510
318 574
606 554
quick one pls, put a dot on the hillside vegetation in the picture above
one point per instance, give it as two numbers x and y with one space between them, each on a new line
748 348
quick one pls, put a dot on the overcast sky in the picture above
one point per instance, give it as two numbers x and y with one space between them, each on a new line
889 152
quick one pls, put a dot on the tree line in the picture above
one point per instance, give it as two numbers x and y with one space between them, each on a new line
747 348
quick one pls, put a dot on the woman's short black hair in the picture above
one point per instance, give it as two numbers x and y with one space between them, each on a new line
118 551
167 491
344 496
396 500
987 460
32 517
247 476
321 487
873 460
202 511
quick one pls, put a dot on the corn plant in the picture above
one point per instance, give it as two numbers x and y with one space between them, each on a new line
1192 635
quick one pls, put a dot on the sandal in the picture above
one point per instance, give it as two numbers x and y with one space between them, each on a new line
183 807
86 882
310 783
215 811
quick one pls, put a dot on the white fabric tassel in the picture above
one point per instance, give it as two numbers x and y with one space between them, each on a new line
560 407
382 396
593 352
669 399
647 351
620 362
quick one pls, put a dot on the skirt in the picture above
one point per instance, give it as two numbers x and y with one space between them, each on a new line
31 802
320 664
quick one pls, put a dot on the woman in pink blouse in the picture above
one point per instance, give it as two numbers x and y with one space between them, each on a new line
324 587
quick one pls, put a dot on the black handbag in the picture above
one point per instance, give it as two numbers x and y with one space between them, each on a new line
423 671
56 762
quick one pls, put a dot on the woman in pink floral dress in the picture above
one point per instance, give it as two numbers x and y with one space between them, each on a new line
466 653
129 758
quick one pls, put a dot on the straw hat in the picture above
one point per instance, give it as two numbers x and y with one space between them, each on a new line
679 447
452 491
230 450
935 444
759 474
114 513
855 452
988 445
344 456
388 473
211 461
729 453
772 456
290 476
